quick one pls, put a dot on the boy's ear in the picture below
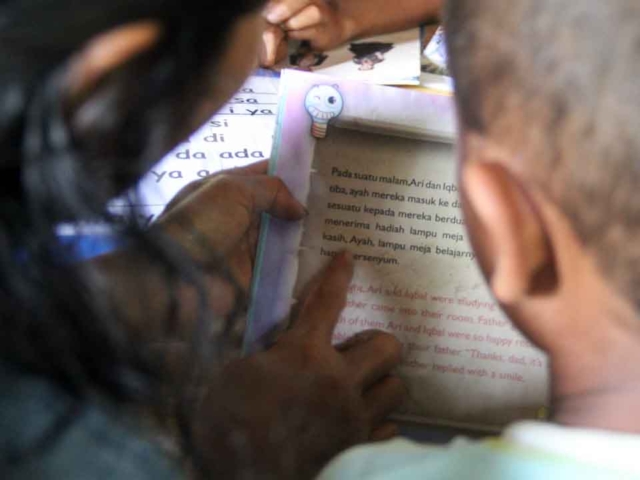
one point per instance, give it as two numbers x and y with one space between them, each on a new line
505 229
108 51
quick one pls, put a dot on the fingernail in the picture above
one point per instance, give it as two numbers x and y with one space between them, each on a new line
364 336
276 13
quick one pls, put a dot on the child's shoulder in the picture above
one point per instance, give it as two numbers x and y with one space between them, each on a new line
69 437
526 450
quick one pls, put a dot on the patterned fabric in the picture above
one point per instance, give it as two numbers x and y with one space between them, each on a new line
46 434
525 452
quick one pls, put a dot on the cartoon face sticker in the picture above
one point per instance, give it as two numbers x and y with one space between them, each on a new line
323 103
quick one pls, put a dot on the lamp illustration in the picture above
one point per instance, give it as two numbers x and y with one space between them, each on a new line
323 103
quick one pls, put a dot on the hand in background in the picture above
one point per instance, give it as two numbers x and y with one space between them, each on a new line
319 22
326 24
286 412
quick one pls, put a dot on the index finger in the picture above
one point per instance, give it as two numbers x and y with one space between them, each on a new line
307 17
278 11
258 168
271 195
321 309
224 209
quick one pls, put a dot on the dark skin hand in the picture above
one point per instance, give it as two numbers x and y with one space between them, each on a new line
215 220
285 412
289 410
225 210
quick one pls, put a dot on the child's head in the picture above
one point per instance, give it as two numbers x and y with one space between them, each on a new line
549 107
92 93
130 77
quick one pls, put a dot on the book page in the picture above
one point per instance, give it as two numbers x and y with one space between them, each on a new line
394 203
239 134
376 168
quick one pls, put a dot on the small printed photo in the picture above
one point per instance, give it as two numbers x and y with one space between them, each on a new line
392 59
368 54
434 55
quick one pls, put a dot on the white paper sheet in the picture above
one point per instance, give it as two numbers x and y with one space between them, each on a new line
241 133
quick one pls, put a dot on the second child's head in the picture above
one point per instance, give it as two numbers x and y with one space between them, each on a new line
549 109
92 94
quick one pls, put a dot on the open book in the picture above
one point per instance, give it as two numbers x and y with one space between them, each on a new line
239 134
376 168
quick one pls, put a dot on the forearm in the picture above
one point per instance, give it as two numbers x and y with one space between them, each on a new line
140 292
364 18
158 307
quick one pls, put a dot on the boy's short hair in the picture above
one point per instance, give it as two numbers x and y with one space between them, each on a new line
557 82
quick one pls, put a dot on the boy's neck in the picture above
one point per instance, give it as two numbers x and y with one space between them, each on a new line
606 410
598 385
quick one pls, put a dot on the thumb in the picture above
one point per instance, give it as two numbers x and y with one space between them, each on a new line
271 195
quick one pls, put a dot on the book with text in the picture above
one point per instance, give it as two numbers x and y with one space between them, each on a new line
376 168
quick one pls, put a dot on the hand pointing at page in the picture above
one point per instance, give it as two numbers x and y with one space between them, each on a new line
303 401
287 411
